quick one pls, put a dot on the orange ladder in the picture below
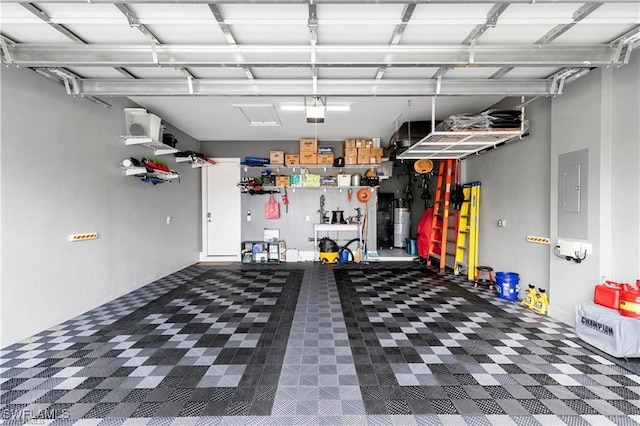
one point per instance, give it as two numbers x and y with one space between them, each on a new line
440 227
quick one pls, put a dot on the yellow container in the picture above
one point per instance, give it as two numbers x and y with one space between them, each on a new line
328 257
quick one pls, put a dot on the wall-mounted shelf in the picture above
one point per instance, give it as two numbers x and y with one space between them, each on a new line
195 162
323 167
142 171
293 188
158 147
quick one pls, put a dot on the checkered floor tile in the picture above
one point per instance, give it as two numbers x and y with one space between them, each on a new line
298 344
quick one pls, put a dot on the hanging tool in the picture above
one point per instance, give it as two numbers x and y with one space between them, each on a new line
285 201
349 194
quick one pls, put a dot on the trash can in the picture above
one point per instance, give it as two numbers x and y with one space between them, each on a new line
507 285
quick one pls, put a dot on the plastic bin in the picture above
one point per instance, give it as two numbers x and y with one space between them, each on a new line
507 285
411 247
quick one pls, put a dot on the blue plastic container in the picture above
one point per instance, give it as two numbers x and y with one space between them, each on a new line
507 285
411 247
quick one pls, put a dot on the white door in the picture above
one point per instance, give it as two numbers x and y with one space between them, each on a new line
221 210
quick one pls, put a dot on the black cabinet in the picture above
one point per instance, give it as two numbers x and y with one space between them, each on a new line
384 221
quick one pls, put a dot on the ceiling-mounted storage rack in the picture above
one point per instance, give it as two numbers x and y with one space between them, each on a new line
458 144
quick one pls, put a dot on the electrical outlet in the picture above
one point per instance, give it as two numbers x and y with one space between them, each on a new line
306 218
168 220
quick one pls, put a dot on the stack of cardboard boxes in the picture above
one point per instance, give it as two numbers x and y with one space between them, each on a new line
356 152
310 153
362 151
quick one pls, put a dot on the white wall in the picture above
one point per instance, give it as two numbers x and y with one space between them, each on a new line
599 112
60 176
515 187
625 182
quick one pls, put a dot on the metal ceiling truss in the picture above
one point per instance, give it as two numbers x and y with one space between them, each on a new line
582 12
460 2
304 87
173 55
397 34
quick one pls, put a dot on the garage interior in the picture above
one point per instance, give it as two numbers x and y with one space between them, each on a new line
125 298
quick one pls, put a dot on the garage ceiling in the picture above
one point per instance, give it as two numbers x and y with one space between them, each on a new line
208 67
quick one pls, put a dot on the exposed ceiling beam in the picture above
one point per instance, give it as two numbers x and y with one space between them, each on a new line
490 22
228 35
397 33
463 2
303 87
312 24
60 28
134 22
532 55
556 32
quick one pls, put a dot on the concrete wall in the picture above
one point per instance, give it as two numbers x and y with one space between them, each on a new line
515 188
60 176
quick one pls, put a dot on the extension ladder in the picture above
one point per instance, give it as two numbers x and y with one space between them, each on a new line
440 227
467 239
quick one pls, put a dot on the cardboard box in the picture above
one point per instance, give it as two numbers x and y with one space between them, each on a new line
308 158
350 152
364 151
325 159
377 151
282 180
350 144
308 145
377 159
351 160
291 159
364 159
276 157
325 149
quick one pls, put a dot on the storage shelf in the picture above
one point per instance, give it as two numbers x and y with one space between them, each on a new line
458 144
158 148
269 188
195 163
311 166
138 171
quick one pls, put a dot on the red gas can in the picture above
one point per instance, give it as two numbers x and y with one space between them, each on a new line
630 301
608 294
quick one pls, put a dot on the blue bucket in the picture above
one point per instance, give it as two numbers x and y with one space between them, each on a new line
507 285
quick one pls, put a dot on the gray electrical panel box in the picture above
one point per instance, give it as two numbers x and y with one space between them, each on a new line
573 191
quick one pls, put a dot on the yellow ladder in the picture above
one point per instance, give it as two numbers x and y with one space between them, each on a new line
472 228
462 261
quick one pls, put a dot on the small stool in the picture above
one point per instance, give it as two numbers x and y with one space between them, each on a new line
486 270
